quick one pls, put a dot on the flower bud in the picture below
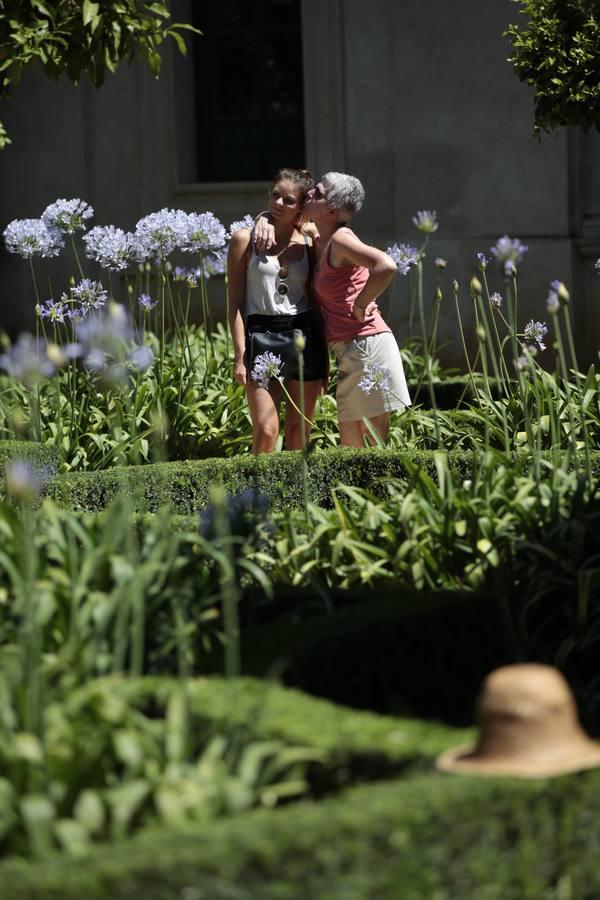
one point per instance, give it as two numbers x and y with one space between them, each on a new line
563 294
55 355
438 295
475 287
480 331
299 342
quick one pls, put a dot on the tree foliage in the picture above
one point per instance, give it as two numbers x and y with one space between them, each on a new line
557 52
76 36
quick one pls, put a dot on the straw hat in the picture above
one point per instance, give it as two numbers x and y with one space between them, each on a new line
528 727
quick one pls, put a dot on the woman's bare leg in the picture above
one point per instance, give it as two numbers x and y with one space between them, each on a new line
293 421
354 432
264 409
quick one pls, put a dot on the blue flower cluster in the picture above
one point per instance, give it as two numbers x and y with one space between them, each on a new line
266 366
509 252
111 247
32 237
404 256
67 216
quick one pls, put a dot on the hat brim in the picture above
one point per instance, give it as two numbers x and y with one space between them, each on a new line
464 760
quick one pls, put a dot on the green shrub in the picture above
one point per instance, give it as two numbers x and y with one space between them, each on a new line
557 52
429 836
117 754
186 486
40 455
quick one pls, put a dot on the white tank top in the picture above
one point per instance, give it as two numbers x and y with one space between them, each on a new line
263 292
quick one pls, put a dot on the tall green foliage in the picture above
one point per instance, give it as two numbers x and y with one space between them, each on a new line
557 52
75 36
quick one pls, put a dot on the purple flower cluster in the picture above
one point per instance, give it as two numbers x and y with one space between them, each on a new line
67 216
102 340
482 260
266 366
111 247
158 234
32 237
146 302
27 360
496 300
84 297
509 252
375 376
246 222
203 233
54 310
426 221
535 332
404 256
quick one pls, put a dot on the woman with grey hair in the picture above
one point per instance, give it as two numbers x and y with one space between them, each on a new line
349 276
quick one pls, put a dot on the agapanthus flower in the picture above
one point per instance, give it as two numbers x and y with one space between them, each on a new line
25 481
146 302
32 237
158 234
266 366
142 357
204 232
482 260
509 267
54 310
496 300
27 360
375 376
509 250
67 215
552 302
558 288
242 512
535 332
426 221
89 293
597 266
190 275
522 363
440 263
246 222
215 265
404 256
111 247
106 329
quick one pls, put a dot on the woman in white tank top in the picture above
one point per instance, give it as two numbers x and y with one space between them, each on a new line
270 304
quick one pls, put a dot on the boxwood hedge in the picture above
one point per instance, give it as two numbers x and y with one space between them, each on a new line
187 485
427 836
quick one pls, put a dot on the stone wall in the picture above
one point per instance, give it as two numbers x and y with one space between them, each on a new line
415 97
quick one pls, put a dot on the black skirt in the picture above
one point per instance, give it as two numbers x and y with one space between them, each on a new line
277 334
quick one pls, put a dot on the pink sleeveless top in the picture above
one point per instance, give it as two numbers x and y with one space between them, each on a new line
335 290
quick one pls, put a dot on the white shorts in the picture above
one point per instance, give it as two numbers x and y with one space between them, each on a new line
380 350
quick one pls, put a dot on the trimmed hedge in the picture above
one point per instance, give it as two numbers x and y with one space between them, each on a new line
265 710
399 652
431 836
187 485
30 451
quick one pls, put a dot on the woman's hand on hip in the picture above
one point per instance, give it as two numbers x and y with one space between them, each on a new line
364 314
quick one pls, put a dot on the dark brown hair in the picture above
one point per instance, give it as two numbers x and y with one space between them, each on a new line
302 177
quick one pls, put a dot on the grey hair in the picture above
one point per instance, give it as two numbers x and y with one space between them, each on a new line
345 194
